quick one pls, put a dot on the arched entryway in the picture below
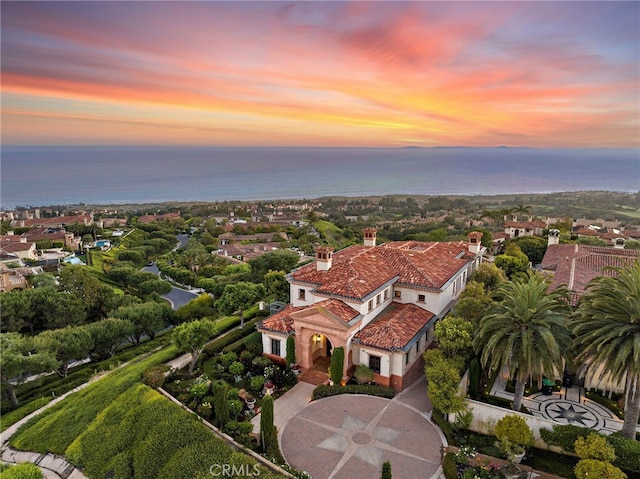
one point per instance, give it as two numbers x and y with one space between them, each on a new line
319 349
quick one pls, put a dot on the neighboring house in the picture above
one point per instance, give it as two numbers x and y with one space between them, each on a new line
515 229
574 265
230 238
19 246
379 303
146 219
14 278
112 222
54 222
53 234
11 279
245 252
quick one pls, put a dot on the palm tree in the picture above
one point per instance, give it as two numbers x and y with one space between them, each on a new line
522 209
607 330
526 331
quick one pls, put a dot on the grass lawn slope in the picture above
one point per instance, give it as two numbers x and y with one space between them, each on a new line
120 428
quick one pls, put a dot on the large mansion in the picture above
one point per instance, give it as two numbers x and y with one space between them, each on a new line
378 302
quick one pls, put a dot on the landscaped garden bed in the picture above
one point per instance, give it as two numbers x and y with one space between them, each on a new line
227 389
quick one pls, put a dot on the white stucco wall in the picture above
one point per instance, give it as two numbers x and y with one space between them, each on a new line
266 344
385 360
294 294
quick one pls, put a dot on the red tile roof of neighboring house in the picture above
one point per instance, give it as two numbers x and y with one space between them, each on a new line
357 271
394 328
587 232
55 221
145 219
525 224
15 246
575 264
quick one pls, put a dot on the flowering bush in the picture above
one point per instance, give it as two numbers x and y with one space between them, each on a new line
200 387
464 455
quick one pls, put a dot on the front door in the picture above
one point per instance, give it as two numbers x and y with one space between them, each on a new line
329 347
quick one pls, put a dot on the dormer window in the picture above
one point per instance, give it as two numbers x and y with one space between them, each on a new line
421 298
302 294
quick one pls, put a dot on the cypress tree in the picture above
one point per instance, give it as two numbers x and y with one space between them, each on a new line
337 365
267 428
220 404
474 378
291 350
386 470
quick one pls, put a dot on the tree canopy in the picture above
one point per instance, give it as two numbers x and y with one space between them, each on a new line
526 331
191 338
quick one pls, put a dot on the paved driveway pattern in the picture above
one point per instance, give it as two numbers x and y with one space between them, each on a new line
350 436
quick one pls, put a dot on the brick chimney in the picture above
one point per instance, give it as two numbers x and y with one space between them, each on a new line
323 258
369 236
554 237
475 242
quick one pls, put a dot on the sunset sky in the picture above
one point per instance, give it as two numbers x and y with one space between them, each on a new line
383 74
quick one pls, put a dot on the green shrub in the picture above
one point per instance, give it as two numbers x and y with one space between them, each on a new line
155 375
9 419
449 467
627 453
22 471
590 468
514 429
257 383
242 343
595 446
217 345
363 374
227 359
236 368
564 436
369 389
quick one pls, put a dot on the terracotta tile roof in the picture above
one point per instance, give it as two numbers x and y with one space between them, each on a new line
575 264
280 322
587 232
358 271
337 308
525 224
394 328
15 246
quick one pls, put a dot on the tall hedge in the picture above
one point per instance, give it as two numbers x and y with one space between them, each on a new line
337 365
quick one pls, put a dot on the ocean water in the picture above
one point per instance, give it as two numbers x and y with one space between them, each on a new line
38 176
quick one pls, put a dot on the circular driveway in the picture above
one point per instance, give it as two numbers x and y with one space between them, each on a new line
350 436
